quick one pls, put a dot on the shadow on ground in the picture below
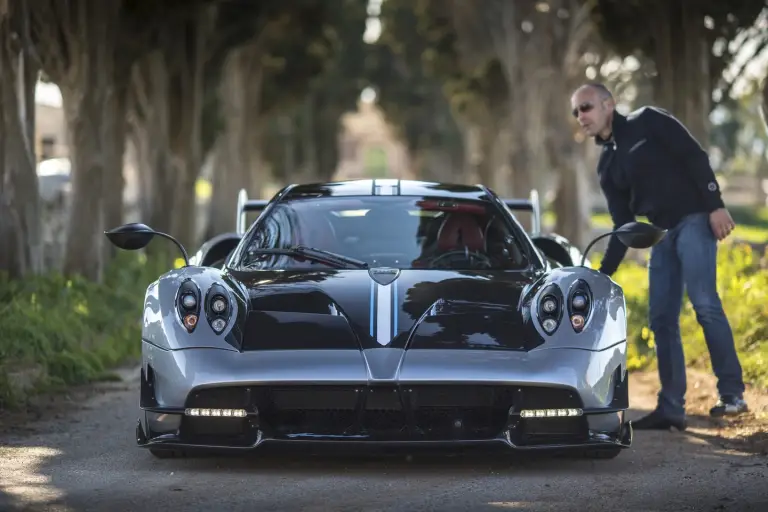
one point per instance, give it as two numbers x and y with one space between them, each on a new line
84 457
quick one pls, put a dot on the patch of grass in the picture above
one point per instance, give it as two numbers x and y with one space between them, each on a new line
58 332
742 280
751 223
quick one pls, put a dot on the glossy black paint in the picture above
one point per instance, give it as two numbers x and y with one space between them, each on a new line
401 187
640 235
214 251
341 308
130 237
558 248
328 309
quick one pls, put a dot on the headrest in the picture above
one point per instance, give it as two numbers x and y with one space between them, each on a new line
460 230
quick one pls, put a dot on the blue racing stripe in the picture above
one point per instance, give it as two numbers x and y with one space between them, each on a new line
373 285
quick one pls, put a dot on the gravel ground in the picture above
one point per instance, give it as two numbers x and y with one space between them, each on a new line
69 457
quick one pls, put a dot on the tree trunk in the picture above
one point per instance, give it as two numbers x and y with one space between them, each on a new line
20 229
309 145
84 109
682 64
240 97
571 204
149 120
221 216
80 57
114 158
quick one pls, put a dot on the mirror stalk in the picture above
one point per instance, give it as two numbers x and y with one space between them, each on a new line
178 244
635 235
593 242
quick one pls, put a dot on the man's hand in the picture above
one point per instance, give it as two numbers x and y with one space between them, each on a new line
721 223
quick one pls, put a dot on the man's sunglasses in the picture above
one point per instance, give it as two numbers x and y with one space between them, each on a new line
583 108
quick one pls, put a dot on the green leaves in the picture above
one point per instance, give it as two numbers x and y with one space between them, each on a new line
69 331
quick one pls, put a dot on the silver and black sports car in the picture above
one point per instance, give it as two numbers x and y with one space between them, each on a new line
384 312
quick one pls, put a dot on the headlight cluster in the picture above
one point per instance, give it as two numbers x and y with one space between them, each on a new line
552 306
579 304
188 304
217 306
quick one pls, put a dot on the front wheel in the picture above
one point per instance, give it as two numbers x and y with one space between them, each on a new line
603 453
167 454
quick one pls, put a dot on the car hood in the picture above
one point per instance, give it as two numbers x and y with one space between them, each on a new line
366 309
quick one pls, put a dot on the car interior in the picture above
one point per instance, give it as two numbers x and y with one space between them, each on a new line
406 234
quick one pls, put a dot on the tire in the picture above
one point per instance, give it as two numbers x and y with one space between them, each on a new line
603 453
167 454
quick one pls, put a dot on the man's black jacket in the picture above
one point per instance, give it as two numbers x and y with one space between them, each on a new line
653 167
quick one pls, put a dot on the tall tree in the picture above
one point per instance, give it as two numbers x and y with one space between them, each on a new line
689 43
20 230
273 59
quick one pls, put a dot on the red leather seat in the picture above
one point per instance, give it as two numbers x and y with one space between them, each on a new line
460 231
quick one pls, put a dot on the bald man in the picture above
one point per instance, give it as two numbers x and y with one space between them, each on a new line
652 166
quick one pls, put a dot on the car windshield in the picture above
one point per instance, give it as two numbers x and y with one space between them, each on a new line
390 231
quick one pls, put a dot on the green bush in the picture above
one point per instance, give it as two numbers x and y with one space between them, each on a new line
60 331
742 280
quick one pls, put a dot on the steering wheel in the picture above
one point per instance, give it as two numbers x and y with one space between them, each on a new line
473 256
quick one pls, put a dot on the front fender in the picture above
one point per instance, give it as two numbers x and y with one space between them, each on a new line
606 321
162 324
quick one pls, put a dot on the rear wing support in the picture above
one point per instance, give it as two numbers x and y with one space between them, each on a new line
244 206
532 205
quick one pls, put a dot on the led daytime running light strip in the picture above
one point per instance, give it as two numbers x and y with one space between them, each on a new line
550 413
223 413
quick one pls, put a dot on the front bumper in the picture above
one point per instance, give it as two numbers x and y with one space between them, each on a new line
432 398
257 440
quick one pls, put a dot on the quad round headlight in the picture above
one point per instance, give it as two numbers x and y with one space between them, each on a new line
189 301
188 304
549 305
549 325
550 308
219 309
218 324
579 305
219 304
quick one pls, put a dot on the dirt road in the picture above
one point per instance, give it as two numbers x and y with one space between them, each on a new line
79 458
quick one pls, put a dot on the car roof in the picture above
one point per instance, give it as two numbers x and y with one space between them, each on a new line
386 187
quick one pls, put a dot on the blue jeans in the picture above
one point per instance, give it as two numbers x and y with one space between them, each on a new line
687 257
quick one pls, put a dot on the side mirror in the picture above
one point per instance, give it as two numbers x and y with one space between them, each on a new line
131 237
635 235
639 235
135 236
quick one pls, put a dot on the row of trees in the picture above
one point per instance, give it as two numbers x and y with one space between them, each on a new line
507 70
476 89
180 80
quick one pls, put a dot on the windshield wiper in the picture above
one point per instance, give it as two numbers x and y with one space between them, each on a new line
320 255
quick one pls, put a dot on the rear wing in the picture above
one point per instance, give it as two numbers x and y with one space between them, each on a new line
244 206
532 205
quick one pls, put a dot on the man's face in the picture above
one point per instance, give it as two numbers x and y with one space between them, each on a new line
592 113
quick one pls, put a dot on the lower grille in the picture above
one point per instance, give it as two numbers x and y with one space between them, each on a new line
404 412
